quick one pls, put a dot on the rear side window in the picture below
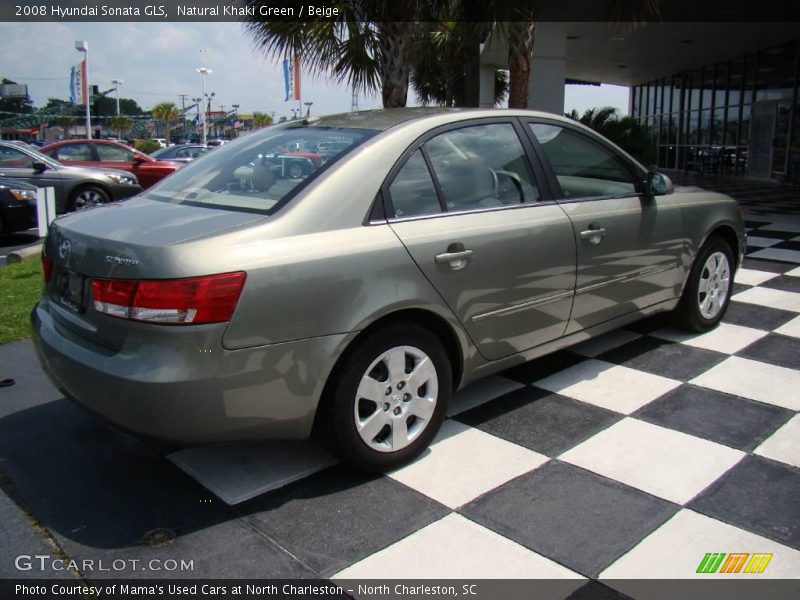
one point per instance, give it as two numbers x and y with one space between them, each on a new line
583 167
75 152
412 191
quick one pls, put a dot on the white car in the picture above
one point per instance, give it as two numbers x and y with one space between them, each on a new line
161 142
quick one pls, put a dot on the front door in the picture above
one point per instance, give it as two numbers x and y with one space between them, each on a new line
629 245
467 208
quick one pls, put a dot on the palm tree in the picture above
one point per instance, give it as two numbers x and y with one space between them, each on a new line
65 122
368 46
121 123
165 112
261 120
626 132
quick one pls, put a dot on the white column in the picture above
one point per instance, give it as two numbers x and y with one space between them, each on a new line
548 69
486 98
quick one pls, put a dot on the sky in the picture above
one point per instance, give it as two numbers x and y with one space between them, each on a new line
157 62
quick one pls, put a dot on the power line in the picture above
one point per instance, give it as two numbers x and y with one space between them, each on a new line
14 77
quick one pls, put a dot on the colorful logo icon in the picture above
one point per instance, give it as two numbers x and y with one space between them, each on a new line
734 562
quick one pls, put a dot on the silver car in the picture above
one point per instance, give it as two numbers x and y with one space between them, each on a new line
75 187
229 303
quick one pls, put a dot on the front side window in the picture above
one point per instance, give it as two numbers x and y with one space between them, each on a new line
584 169
481 166
259 172
110 153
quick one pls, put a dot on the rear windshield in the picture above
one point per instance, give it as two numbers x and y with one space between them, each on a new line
261 171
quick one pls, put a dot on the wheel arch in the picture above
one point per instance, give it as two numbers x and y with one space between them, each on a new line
425 318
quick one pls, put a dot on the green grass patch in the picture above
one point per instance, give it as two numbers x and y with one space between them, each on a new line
20 288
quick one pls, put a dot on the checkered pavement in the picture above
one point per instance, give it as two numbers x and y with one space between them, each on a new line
628 456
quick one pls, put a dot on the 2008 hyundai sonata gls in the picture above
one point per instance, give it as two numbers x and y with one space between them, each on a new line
237 301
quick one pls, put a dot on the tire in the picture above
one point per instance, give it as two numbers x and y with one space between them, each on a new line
707 292
376 420
87 196
295 170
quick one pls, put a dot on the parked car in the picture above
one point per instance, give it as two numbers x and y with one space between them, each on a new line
17 206
180 153
437 247
161 142
290 166
75 187
111 155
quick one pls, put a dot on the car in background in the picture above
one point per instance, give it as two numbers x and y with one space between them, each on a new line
180 153
17 206
111 155
439 246
161 142
75 187
285 166
216 143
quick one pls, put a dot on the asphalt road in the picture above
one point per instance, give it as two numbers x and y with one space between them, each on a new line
15 241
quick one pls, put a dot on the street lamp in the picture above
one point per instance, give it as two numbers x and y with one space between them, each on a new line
203 71
235 118
308 108
83 46
116 83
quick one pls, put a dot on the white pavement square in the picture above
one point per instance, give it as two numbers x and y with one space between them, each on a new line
442 473
791 328
663 462
753 277
614 387
784 444
770 298
456 548
725 338
756 380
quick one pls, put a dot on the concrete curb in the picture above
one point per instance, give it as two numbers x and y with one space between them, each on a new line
23 254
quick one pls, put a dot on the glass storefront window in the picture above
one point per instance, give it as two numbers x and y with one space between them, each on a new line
635 101
708 87
720 84
736 78
732 126
695 85
691 127
776 72
749 76
718 127
705 127
744 129
676 93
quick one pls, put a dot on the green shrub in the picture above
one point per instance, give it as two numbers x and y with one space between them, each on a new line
146 146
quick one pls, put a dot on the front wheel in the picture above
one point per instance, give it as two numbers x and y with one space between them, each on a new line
87 197
708 290
389 399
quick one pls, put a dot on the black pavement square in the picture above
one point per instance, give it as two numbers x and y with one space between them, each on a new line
542 367
739 287
769 266
772 234
539 420
664 358
577 518
736 422
339 516
757 317
788 245
775 349
759 495
650 324
787 283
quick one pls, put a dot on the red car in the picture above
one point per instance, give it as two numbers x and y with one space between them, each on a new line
111 155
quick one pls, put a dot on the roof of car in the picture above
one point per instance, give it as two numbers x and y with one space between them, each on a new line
382 119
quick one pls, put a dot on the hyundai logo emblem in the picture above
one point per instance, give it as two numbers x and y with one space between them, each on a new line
64 249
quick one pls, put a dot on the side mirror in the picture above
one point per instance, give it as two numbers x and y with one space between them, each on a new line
38 166
659 184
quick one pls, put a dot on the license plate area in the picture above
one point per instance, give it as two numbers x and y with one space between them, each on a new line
69 289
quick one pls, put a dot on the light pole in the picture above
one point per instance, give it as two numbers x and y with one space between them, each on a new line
198 102
83 46
203 71
308 108
235 119
116 83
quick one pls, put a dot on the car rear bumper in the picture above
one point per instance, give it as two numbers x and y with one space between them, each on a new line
186 394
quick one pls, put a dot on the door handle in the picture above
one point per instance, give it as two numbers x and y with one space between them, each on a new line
457 259
593 236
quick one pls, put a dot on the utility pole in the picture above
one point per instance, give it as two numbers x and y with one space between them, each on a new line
183 115
83 46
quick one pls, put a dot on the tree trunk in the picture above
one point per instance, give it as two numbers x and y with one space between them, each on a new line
396 44
520 55
472 62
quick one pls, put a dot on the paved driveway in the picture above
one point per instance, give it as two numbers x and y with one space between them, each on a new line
631 456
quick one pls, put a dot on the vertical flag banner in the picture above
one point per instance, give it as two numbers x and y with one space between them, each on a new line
291 78
78 93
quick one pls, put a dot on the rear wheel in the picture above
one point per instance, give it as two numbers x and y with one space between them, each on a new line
389 398
295 170
708 290
87 197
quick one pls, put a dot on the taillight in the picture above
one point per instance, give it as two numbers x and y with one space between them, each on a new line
47 267
190 301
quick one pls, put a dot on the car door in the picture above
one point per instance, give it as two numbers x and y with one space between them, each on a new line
76 154
466 204
628 243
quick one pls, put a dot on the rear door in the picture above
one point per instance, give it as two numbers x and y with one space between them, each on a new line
628 244
467 204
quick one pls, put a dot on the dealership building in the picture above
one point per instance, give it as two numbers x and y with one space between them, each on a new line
714 96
